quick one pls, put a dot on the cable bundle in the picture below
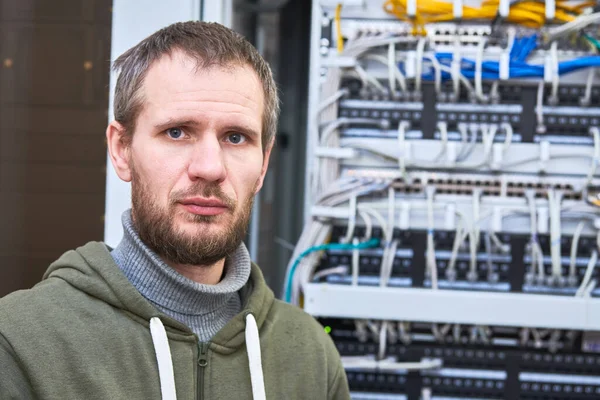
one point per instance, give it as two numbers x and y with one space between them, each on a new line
531 14
518 67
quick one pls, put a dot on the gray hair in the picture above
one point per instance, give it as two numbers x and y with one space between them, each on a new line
210 44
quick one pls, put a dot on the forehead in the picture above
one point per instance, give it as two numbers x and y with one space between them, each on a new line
175 83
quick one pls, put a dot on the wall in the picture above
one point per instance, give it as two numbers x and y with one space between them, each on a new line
53 97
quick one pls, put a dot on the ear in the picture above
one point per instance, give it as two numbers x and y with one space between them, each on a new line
263 172
118 150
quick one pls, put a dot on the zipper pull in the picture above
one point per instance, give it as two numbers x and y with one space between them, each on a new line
202 356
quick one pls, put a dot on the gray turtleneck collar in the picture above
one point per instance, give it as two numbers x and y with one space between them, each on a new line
205 309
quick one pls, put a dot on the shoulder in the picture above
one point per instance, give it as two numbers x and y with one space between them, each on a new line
301 327
33 310
289 314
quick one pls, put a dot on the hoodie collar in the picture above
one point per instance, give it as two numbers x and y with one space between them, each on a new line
91 269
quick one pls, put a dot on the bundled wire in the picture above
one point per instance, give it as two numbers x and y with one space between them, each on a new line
531 14
518 67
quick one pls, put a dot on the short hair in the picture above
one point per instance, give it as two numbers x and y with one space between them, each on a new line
210 45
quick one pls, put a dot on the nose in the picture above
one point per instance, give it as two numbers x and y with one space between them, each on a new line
207 160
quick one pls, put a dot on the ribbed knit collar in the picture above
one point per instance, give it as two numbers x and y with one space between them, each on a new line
165 287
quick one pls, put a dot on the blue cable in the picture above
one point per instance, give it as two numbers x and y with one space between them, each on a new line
518 67
329 246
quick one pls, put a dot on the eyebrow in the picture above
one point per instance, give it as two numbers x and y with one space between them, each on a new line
174 123
243 129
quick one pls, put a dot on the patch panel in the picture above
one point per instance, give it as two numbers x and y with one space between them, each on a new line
494 272
505 366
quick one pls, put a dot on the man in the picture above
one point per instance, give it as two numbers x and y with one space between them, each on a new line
176 310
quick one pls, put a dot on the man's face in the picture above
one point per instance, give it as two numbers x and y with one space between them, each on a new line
196 159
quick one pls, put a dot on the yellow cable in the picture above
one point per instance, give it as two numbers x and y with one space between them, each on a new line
530 13
338 28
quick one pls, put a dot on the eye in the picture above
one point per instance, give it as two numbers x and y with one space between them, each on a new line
236 138
175 133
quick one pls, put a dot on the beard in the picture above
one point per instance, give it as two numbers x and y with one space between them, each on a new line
157 228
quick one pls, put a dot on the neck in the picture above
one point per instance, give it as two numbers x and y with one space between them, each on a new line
203 274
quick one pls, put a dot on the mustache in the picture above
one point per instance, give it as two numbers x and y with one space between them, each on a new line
204 190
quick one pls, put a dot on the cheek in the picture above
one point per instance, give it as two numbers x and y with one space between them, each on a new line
244 173
157 171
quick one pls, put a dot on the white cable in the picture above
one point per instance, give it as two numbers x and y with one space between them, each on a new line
573 258
494 91
358 47
488 134
332 99
539 108
391 63
387 263
555 75
437 72
394 74
590 288
554 203
588 274
595 132
389 234
467 148
455 68
375 214
355 263
508 132
430 259
339 270
419 67
479 71
402 153
573 26
459 239
382 340
366 79
374 329
368 224
540 262
587 97
403 328
392 335
536 253
351 220
442 127
474 236
488 249
334 125
503 247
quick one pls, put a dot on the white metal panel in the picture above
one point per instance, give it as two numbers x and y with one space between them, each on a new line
133 20
450 306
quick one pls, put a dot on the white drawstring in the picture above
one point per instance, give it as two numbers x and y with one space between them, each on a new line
165 362
254 359
163 358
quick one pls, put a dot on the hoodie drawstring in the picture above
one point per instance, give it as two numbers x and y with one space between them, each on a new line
163 358
254 359
165 362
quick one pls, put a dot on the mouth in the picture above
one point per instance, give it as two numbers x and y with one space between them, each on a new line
204 206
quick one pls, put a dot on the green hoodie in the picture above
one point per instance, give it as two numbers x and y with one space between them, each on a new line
84 333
